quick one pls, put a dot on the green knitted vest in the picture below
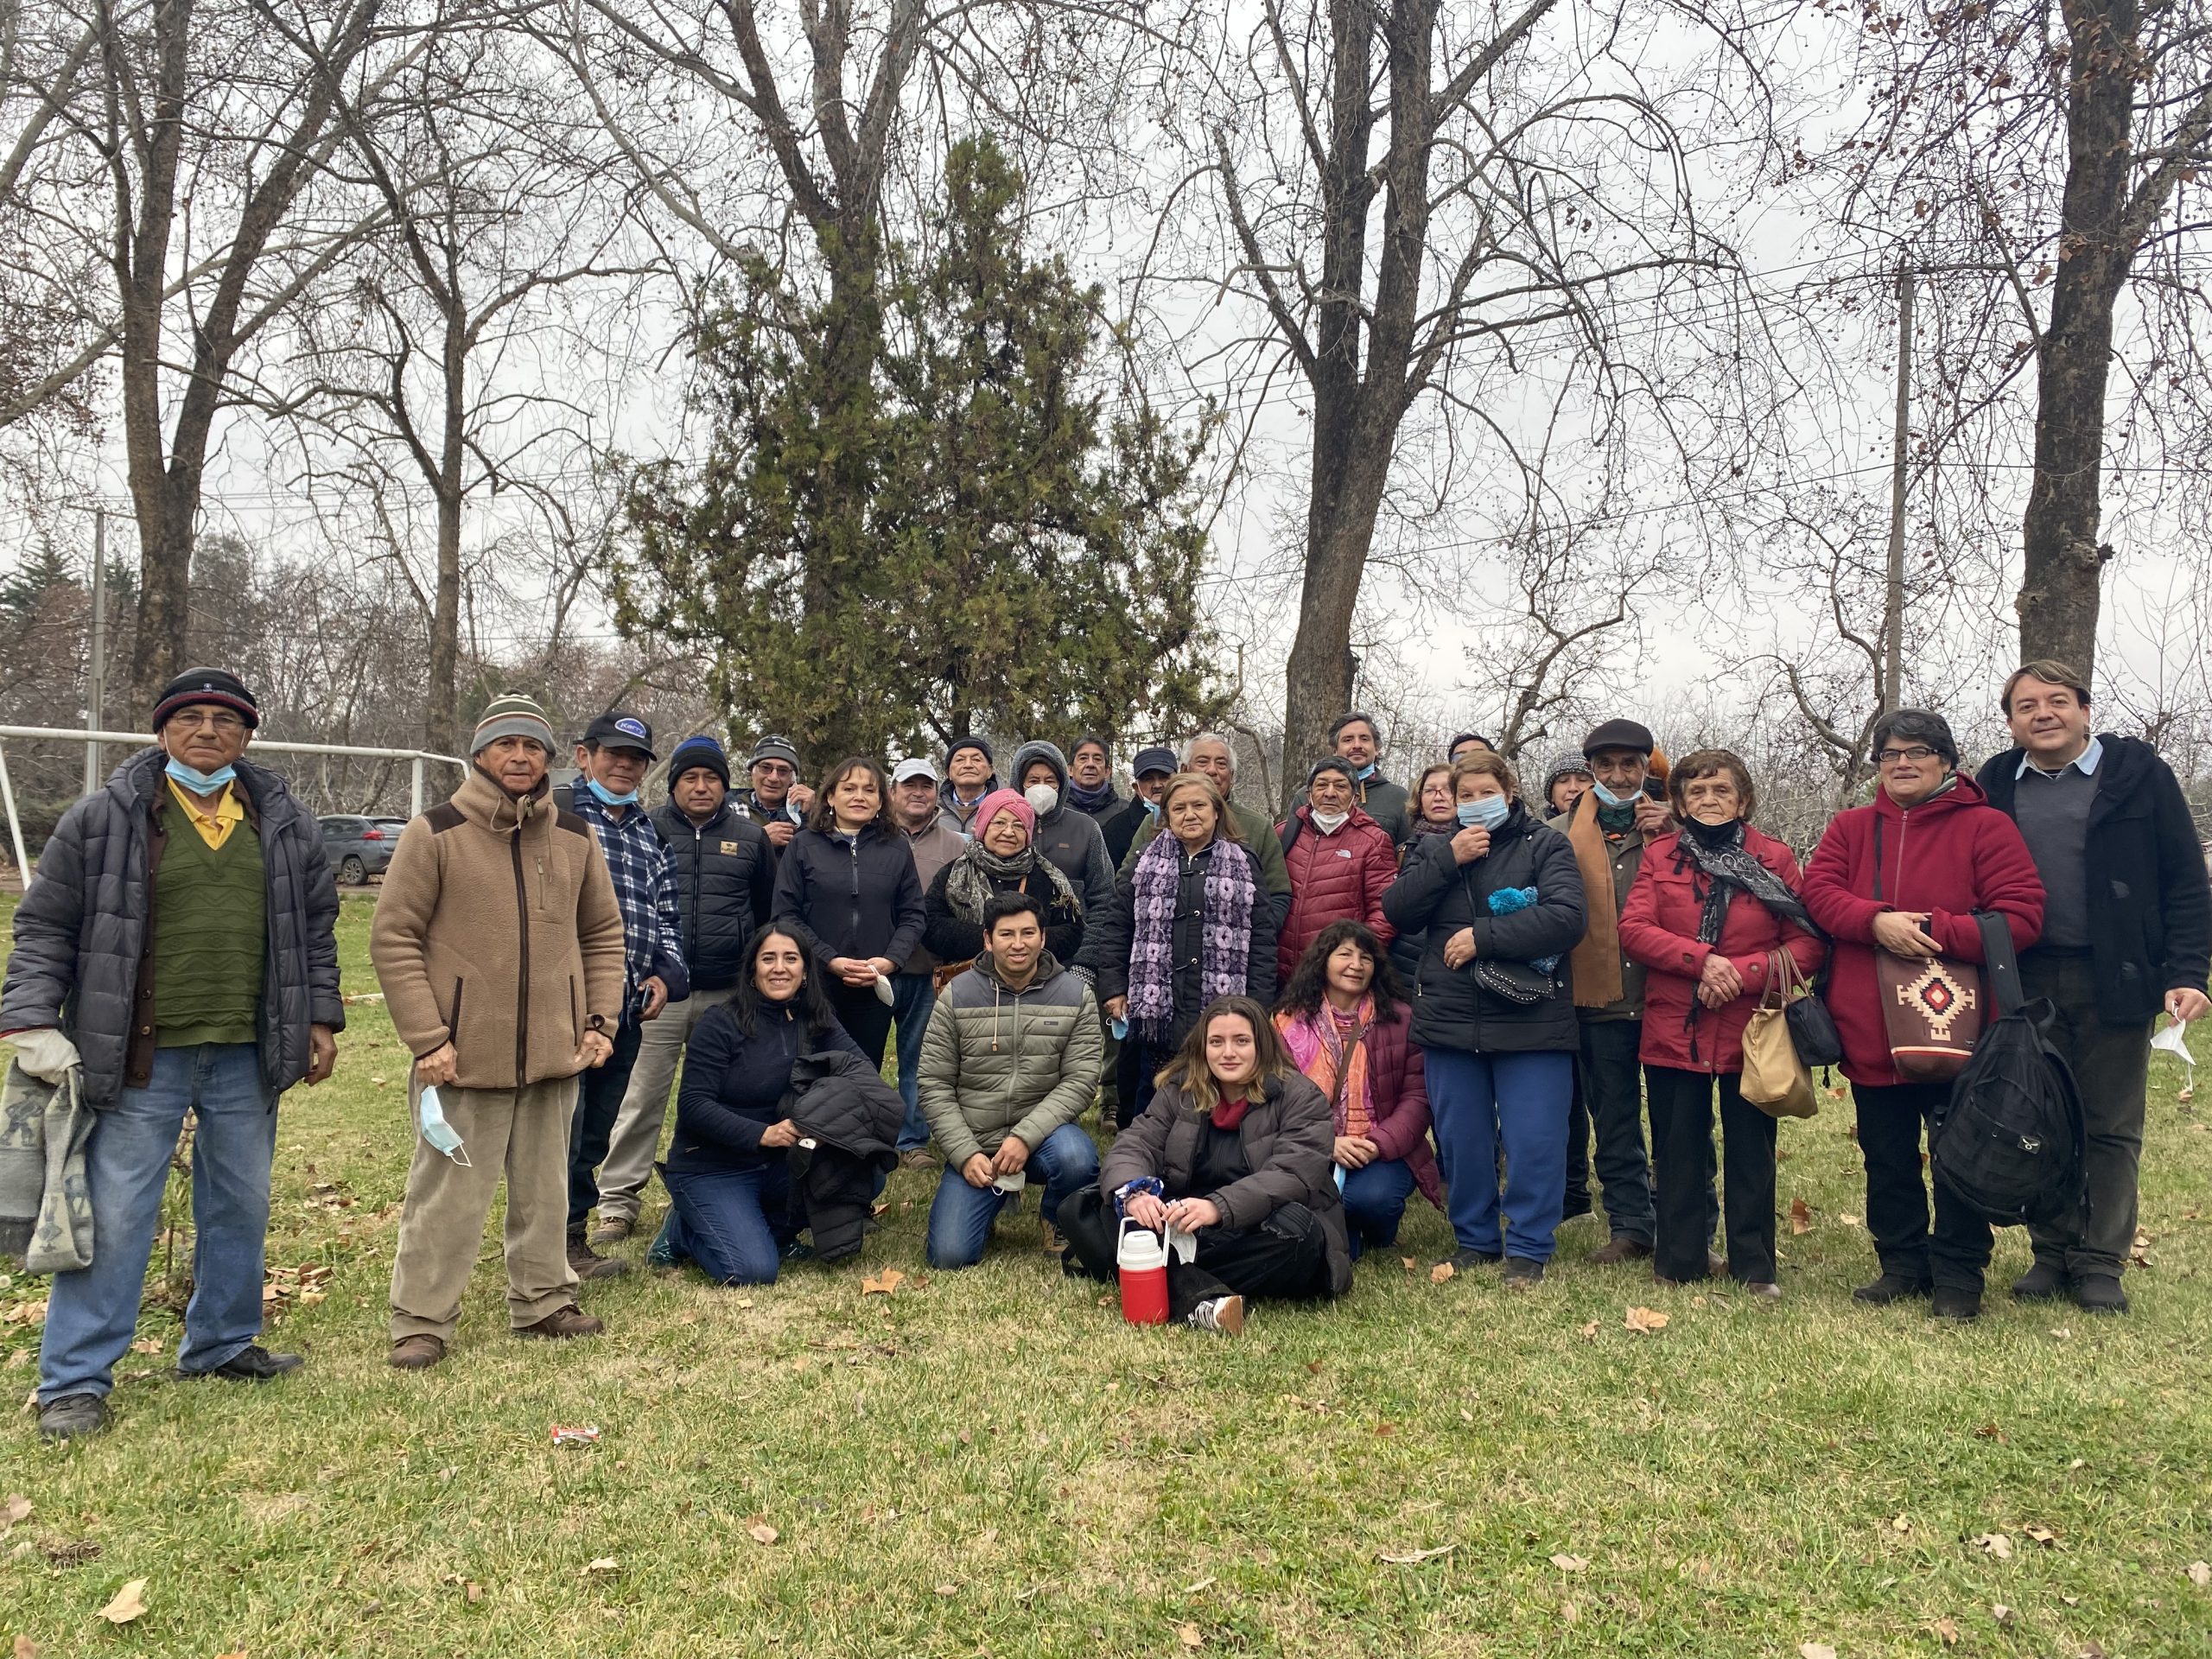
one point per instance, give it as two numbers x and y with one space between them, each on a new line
211 935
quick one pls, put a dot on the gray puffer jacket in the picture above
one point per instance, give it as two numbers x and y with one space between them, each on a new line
81 929
997 1062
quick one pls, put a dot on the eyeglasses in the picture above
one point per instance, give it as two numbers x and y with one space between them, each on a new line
221 719
1917 753
773 769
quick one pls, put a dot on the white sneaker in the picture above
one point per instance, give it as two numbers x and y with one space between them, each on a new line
1223 1313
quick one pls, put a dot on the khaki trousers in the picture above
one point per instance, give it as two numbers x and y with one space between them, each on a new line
630 1151
524 1134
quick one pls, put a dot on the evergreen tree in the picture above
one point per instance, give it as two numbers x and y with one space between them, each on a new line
1028 561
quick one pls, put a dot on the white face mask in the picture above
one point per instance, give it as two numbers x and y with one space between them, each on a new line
1042 799
1329 822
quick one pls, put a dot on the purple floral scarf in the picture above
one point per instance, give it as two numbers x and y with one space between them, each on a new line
1231 889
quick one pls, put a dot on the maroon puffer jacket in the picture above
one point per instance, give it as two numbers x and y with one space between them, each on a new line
1339 877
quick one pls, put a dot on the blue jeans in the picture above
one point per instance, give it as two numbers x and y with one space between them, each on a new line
962 1216
1375 1202
912 996
1479 1100
731 1222
90 1312
591 1132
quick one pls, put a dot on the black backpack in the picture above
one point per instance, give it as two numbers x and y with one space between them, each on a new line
2010 1140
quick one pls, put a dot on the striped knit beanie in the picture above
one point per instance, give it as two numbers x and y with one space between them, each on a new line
511 716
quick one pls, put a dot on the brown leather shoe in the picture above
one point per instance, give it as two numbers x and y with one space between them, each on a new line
570 1321
417 1353
1619 1251
612 1230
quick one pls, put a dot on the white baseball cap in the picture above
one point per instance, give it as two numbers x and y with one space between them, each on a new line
917 767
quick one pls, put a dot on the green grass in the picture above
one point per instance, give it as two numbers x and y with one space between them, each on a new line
990 1463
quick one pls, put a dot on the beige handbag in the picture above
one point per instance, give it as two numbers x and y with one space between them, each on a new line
1775 1080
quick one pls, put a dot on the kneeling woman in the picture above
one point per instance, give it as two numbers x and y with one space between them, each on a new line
1711 904
1346 1022
728 1171
1234 1149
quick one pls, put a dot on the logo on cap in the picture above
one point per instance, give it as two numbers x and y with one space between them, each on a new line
635 727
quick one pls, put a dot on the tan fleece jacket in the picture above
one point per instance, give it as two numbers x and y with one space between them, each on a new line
498 929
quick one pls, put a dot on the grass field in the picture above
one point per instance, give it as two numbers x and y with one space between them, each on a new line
990 1463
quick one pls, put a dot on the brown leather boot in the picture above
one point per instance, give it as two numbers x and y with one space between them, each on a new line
1618 1251
417 1353
588 1263
570 1321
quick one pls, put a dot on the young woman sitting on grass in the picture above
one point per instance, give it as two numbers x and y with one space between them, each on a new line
1235 1149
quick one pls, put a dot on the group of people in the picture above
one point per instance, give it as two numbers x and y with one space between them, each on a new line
1458 988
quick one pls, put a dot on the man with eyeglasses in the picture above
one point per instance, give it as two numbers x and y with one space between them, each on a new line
2127 934
177 947
776 801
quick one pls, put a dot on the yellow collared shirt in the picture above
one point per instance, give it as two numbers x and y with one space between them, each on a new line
214 827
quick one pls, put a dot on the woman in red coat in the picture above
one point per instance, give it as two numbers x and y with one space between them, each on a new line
1346 1022
1905 875
1711 904
1341 863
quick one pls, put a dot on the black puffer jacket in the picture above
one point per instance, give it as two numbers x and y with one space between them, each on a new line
82 934
1109 941
1451 1010
840 1102
725 883
851 898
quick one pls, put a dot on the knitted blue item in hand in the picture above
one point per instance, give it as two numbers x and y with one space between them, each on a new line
1505 901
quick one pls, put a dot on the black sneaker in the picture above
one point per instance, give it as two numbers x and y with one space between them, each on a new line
252 1363
1465 1260
1952 1303
588 1263
2099 1293
1891 1287
2041 1283
72 1414
1577 1204
1522 1274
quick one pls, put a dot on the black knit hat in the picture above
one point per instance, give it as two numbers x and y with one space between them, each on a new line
1619 734
214 685
975 743
696 752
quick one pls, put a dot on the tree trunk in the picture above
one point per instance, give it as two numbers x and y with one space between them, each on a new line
441 728
2062 558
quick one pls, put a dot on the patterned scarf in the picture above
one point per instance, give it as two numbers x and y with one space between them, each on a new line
968 881
1333 1057
1719 852
1231 888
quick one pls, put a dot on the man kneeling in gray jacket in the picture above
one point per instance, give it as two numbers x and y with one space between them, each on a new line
1010 1060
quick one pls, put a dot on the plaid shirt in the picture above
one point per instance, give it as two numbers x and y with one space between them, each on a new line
645 889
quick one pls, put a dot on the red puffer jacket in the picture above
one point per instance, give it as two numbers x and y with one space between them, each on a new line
1336 878
1949 856
1659 928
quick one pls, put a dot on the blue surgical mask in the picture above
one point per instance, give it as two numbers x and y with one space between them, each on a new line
1120 1028
1608 798
199 782
1151 808
608 797
435 1130
1367 772
1488 812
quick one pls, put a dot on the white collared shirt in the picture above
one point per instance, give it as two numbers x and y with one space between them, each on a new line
2086 761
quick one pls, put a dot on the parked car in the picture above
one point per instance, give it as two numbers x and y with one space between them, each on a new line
359 847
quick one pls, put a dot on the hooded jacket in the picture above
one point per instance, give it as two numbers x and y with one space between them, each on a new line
1659 927
1072 839
1950 856
2149 906
725 882
1289 1141
83 955
1386 802
1451 1008
497 931
1337 877
997 1062
857 897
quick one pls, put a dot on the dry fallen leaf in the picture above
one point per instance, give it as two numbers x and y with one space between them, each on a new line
1848 1221
761 1533
146 1345
25 1647
1407 1262
475 1592
2043 1536
1901 1524
884 1283
1590 1331
129 1604
2200 1574
1420 1555
1569 1613
1190 1636
1816 1650
13 1508
2000 1612
1801 1217
1946 1631
1569 1563
1646 1319
948 1589
1996 1543
986 1537
2094 1649
1440 1273
604 1564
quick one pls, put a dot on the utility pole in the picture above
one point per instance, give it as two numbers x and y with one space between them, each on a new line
1893 608
96 665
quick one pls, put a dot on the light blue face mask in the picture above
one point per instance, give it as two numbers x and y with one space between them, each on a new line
608 797
1488 812
1151 808
435 1130
1606 796
1120 1028
1367 772
199 782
